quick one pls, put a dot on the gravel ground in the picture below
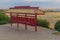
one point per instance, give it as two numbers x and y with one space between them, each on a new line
12 33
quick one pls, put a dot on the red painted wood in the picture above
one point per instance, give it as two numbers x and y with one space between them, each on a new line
17 20
10 19
25 21
31 20
35 20
24 7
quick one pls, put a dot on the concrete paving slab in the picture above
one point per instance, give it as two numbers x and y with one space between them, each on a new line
8 33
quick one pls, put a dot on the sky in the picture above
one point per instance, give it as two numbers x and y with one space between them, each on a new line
4 4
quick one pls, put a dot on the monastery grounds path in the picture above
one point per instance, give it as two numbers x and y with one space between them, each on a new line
8 33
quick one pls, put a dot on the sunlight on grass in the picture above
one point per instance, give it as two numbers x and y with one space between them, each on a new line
56 33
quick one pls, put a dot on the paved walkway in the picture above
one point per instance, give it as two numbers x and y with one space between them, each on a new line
8 33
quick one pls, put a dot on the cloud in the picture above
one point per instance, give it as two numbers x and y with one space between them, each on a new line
36 0
5 1
40 3
56 1
9 1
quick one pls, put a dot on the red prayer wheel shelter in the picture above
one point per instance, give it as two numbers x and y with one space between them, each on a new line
25 15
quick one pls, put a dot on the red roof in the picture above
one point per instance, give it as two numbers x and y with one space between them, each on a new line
24 7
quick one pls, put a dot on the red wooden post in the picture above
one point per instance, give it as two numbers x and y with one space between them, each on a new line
35 21
25 21
17 25
10 19
17 21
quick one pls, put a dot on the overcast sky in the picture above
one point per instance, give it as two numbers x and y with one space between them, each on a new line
39 3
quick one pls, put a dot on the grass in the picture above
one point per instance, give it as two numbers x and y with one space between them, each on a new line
56 33
52 17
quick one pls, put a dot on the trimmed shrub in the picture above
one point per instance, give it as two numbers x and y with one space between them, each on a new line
3 18
3 22
57 26
43 23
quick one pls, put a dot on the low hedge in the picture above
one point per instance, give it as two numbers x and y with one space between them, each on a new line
57 26
3 18
43 23
3 22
